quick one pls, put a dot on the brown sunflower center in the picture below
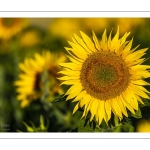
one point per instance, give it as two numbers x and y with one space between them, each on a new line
104 75
50 75
38 79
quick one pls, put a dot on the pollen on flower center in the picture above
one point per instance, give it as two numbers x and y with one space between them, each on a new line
104 75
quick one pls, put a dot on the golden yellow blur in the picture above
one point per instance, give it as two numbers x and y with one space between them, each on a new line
29 39
128 24
64 27
97 24
143 125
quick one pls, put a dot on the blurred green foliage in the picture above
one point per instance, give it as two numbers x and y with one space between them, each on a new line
56 116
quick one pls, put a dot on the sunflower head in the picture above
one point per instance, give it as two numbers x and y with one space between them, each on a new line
11 26
63 27
29 39
105 76
32 79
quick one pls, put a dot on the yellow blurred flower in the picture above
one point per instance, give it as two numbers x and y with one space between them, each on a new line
30 81
95 23
126 24
29 39
64 27
143 125
11 26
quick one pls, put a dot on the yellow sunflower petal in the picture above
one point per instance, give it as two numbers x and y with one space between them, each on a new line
141 91
88 41
76 108
100 111
121 105
82 44
115 41
115 108
127 49
97 45
104 41
93 109
108 109
78 51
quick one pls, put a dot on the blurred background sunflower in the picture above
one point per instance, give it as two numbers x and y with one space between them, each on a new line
36 71
143 125
32 99
11 26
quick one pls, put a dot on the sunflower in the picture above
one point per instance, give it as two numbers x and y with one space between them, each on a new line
105 76
96 23
63 27
11 26
29 39
129 23
143 125
30 83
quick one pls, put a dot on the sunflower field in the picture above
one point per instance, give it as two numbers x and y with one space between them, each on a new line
74 75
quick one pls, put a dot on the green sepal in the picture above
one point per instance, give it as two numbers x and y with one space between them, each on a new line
127 127
137 114
59 99
86 126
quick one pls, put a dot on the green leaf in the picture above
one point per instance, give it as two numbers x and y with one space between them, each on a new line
104 126
131 129
59 99
117 129
116 121
86 126
127 127
137 114
29 129
41 128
